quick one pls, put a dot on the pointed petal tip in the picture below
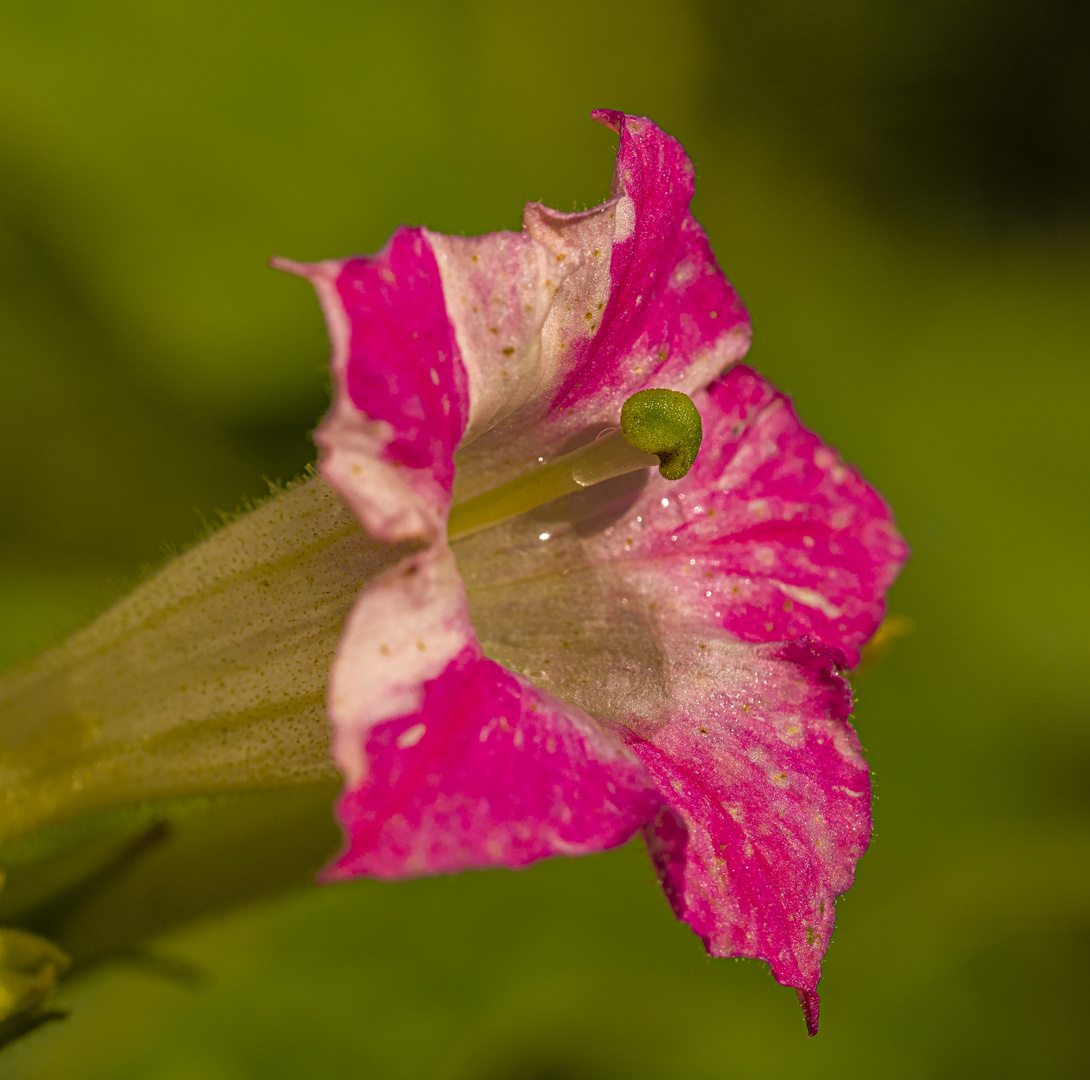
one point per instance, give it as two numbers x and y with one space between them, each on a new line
310 271
278 262
610 118
811 1007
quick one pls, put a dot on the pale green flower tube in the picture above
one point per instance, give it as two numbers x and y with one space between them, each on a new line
207 681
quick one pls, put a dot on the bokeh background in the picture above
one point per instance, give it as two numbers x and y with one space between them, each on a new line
900 189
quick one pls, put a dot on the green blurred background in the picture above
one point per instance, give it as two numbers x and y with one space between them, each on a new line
901 192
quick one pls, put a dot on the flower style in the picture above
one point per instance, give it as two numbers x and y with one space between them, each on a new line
643 655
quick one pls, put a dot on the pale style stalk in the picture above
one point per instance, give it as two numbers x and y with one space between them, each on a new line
608 456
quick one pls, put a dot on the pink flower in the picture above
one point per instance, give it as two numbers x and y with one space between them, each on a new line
645 655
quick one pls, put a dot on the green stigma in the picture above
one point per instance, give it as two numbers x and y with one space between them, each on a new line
664 423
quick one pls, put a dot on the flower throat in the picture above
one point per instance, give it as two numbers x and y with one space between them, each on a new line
658 427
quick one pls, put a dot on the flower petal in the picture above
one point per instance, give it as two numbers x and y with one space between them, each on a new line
749 743
499 290
451 761
488 771
400 398
673 319
559 325
404 630
771 535
770 802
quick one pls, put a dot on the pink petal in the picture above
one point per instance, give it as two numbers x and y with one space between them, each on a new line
748 742
451 761
672 319
559 325
770 536
400 397
770 802
489 771
500 289
404 630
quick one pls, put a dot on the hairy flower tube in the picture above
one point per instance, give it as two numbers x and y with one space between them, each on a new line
596 648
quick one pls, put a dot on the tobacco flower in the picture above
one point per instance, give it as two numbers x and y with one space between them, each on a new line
645 654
